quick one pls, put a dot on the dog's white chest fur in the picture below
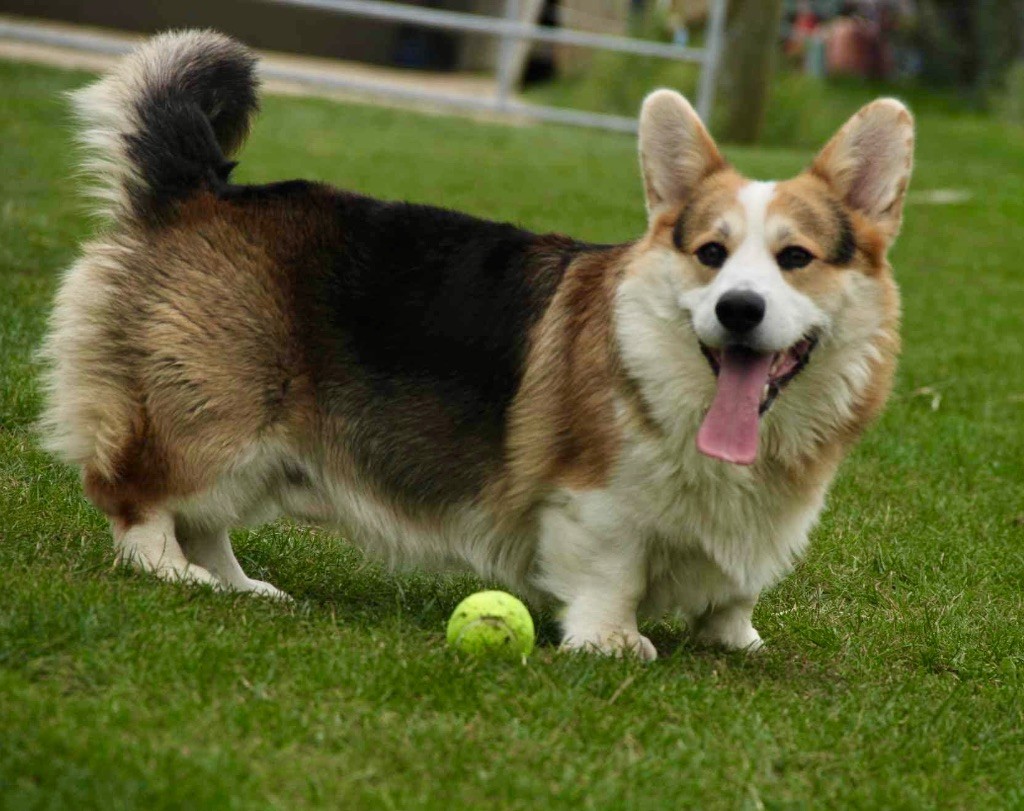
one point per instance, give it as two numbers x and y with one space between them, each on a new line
700 514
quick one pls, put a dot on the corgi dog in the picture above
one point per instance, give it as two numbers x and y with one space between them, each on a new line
616 431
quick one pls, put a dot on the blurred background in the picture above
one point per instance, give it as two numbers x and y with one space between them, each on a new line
595 59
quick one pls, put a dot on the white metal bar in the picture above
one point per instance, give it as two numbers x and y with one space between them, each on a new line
96 43
714 43
536 112
80 41
506 55
495 26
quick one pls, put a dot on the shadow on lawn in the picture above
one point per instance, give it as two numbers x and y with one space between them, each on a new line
328 575
320 568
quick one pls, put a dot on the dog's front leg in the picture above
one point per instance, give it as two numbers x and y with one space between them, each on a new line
600 580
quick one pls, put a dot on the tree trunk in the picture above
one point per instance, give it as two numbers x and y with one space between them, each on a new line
746 67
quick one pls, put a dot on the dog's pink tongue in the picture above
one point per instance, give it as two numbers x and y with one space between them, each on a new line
729 431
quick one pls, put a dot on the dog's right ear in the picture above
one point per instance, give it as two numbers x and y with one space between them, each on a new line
676 150
868 162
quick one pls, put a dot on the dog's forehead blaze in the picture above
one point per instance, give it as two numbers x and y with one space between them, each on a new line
802 207
801 211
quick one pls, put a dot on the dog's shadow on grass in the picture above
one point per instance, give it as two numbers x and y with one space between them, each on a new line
322 570
325 573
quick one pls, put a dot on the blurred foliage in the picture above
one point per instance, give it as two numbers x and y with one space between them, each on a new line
967 51
1010 103
803 111
970 46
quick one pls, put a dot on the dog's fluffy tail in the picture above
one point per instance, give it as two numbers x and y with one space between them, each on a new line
164 123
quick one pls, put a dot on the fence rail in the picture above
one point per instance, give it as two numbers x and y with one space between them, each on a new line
509 29
497 26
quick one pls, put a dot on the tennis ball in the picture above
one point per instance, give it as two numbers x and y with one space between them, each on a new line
491 623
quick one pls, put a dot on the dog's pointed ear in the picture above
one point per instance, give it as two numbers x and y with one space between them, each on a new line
868 162
676 150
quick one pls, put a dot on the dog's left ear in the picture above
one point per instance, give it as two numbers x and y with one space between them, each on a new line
676 150
868 162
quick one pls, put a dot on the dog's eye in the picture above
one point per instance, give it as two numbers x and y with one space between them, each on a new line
794 257
712 254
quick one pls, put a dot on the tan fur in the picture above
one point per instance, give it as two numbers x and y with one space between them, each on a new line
564 430
182 359
699 219
676 150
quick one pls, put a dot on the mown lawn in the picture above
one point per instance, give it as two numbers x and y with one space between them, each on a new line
894 669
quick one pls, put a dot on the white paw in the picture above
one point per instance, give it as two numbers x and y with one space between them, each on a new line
261 588
616 643
189 574
158 553
731 637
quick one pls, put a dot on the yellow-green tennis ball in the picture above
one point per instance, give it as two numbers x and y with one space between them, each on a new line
492 623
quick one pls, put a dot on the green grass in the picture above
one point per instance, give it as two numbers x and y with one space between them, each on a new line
894 669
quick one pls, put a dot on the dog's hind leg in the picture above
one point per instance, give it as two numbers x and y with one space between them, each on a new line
729 626
211 551
149 544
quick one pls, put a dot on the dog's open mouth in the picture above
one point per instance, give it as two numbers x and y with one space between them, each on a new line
748 383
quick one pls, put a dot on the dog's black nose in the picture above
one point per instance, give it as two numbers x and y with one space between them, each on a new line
740 310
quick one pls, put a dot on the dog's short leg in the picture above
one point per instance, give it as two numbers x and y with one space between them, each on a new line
729 626
150 545
600 582
211 549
